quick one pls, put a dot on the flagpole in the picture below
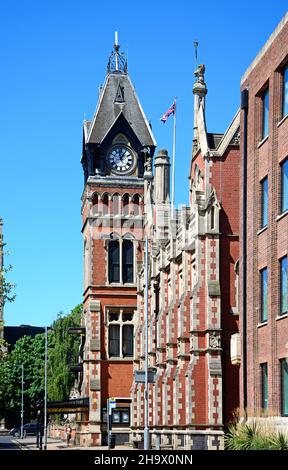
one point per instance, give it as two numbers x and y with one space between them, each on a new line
173 161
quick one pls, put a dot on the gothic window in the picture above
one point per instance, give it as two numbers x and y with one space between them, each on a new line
114 340
127 261
120 333
126 204
121 261
116 201
136 204
95 204
114 261
105 204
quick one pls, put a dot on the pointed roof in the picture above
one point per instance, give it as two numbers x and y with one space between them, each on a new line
119 96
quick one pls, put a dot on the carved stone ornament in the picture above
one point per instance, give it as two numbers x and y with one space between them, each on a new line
214 340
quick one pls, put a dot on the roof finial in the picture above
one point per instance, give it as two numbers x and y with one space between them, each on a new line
117 62
196 44
116 47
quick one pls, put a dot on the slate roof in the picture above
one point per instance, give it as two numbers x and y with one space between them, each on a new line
214 140
109 109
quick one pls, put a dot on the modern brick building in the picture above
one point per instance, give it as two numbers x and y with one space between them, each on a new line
1 268
264 330
193 295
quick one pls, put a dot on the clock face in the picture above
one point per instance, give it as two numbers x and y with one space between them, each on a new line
121 159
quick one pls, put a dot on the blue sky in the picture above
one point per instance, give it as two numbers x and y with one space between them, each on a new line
53 58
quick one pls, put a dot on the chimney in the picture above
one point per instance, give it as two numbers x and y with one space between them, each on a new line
162 177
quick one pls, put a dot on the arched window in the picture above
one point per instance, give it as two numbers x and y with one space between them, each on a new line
136 204
116 204
105 204
127 261
114 261
95 204
126 204
121 261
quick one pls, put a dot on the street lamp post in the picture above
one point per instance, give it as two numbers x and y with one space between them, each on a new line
146 403
22 399
45 388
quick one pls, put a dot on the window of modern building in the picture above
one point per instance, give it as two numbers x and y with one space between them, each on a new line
284 386
264 202
285 92
121 261
120 333
284 186
283 286
264 386
265 113
264 294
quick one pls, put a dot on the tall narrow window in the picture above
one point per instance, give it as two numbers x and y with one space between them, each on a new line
264 386
265 113
105 204
284 386
114 261
264 202
126 204
283 286
127 340
264 293
212 218
127 261
284 184
285 92
114 340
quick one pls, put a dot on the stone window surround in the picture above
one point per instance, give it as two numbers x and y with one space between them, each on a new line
120 239
121 323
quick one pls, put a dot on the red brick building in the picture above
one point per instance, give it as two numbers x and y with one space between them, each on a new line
193 295
264 371
117 147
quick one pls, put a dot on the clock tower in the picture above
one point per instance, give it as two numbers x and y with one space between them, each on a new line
117 151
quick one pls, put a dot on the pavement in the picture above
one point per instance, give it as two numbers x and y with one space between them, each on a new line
29 443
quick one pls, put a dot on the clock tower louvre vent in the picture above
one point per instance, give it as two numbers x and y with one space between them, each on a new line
120 94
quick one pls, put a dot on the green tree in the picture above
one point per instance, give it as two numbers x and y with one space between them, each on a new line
29 352
64 351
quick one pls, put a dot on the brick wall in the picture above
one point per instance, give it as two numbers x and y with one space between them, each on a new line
265 342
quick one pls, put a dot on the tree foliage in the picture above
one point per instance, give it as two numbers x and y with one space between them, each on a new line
6 288
29 352
62 349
